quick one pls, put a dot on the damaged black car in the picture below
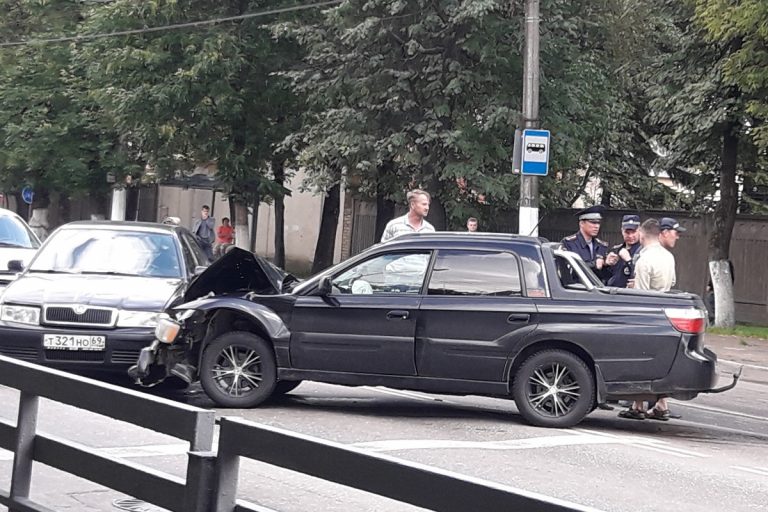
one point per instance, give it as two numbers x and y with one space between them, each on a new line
484 314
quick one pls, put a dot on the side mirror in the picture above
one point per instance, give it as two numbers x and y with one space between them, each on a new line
325 287
15 265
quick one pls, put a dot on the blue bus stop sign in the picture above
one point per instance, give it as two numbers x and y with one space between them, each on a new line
535 152
27 194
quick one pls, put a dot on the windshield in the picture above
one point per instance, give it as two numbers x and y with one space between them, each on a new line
14 233
97 251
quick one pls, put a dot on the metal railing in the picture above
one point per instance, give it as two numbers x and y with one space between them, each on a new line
211 482
184 422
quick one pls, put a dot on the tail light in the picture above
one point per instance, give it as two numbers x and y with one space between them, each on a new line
688 320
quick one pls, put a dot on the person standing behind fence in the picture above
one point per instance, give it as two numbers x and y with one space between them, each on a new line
620 258
412 222
204 230
472 225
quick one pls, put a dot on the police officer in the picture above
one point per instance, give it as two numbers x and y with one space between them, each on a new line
621 257
586 244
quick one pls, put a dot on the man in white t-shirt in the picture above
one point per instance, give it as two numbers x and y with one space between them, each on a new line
412 222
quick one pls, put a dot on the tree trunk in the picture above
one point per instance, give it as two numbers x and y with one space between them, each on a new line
437 215
326 239
242 234
278 169
255 223
38 222
385 211
720 238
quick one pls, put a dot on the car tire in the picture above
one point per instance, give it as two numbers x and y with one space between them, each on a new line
532 389
285 386
257 375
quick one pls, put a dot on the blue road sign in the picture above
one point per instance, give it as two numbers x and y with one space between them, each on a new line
535 152
27 194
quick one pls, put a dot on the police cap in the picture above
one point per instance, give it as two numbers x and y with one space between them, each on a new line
591 213
670 223
630 222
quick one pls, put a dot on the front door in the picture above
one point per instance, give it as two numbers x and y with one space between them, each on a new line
368 323
473 315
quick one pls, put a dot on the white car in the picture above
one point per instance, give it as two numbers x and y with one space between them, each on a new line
17 244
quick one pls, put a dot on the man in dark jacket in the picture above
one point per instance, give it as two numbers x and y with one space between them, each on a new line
204 230
621 257
586 244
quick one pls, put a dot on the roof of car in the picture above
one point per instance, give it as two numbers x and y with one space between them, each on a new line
5 212
121 225
463 237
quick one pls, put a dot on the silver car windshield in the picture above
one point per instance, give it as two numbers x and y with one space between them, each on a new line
14 233
101 251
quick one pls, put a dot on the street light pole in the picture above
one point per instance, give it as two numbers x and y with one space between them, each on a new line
529 185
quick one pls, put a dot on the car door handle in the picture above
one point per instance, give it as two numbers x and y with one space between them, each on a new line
518 317
398 314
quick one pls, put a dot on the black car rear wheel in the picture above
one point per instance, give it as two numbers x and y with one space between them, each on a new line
238 370
554 388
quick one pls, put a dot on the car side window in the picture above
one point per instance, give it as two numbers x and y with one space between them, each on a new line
384 274
458 272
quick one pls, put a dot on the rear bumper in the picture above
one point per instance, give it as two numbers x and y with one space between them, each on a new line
693 371
122 348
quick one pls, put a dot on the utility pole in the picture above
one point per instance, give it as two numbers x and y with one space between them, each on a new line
529 185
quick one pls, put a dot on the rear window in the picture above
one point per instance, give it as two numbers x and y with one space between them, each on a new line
492 273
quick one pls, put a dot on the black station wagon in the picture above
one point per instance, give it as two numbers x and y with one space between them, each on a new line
485 314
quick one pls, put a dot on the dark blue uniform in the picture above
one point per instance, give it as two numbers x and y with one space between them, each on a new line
576 243
623 270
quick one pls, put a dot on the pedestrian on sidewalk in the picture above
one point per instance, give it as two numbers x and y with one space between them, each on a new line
412 222
204 230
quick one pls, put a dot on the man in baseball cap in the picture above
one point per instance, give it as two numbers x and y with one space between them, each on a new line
670 223
670 232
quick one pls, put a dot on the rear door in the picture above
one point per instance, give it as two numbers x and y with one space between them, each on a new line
474 312
368 323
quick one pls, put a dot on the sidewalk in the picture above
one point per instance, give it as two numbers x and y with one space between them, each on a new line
739 350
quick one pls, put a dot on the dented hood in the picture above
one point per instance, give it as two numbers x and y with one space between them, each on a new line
238 270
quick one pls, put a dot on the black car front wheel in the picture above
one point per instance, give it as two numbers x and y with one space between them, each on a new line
554 388
238 370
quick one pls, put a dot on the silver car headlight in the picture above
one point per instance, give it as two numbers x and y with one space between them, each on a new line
20 314
127 318
167 330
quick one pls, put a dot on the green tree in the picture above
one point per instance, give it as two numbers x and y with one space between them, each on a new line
52 136
704 126
200 95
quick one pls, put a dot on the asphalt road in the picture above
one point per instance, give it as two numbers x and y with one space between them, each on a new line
714 458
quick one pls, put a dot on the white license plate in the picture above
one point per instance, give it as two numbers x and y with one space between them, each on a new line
69 342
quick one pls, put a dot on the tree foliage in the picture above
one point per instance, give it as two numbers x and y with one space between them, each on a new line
52 135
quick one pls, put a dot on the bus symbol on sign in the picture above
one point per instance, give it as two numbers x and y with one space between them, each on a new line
536 156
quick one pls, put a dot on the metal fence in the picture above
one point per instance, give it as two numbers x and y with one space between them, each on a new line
212 479
184 422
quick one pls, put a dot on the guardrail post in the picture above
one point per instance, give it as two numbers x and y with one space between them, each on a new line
26 428
201 482
227 474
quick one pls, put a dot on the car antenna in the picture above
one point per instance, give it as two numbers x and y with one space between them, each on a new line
537 224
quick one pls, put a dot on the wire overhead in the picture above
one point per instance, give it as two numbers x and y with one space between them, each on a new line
191 24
